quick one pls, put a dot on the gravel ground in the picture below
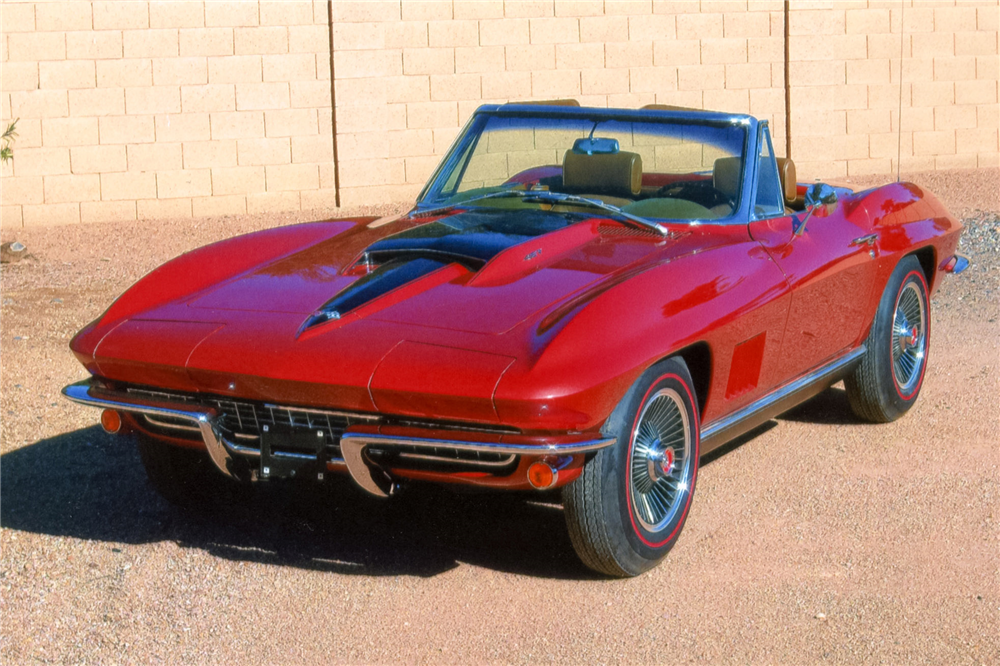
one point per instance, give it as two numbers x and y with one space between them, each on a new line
818 539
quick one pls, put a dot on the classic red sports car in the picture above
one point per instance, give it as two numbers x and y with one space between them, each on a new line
581 298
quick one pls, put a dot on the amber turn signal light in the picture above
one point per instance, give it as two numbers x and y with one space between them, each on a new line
111 421
541 476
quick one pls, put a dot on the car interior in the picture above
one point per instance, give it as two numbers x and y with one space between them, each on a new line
618 179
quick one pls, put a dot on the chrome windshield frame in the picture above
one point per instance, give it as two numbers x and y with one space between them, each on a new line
740 215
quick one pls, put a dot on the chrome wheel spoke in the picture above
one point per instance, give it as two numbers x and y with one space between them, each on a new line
909 337
660 468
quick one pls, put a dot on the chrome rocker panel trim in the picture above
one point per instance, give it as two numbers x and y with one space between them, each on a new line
723 430
352 444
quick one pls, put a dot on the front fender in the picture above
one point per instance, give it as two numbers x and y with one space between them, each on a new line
719 296
193 271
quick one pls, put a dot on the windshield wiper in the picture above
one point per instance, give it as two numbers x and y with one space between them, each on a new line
559 197
545 196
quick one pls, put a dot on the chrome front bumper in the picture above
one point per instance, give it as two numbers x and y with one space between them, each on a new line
353 442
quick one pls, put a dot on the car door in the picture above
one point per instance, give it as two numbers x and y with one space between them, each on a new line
829 266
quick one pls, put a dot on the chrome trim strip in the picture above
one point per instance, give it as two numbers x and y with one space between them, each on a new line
722 430
373 479
80 392
868 240
458 461
152 420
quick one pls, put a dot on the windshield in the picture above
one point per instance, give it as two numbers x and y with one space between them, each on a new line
671 169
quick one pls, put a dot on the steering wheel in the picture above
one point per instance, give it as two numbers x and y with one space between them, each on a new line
701 192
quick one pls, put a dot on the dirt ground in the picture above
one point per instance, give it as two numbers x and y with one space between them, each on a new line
817 539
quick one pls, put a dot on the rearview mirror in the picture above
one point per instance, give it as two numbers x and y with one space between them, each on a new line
595 145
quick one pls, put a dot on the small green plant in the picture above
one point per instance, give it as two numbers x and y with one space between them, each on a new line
6 152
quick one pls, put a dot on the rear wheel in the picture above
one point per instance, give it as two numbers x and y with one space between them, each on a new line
887 382
628 507
184 477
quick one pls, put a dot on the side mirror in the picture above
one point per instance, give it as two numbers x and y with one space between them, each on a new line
817 195
821 193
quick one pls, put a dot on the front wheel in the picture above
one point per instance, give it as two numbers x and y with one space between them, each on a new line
628 507
887 381
184 477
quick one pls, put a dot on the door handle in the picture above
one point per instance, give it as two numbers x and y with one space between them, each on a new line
865 240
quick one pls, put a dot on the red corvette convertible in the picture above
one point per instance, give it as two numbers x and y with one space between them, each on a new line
586 299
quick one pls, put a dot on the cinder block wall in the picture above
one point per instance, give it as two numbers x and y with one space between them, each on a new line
846 97
409 74
164 109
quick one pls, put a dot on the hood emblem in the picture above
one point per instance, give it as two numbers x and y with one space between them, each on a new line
532 255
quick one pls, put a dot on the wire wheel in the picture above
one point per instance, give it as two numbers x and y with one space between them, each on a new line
660 461
909 338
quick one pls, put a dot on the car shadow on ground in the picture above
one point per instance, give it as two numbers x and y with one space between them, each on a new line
90 485
830 407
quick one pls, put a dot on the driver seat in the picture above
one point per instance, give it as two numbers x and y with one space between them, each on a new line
614 178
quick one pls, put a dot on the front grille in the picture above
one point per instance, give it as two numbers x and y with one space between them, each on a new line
243 422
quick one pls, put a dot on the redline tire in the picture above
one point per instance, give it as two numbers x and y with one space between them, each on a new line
886 383
627 509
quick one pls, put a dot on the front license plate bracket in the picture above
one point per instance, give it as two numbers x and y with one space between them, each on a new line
291 452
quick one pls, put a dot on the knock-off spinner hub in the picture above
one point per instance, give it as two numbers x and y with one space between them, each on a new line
908 338
659 461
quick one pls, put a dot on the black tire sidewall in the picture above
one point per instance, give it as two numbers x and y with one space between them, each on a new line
639 549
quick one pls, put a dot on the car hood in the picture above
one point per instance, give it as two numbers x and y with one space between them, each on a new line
430 312
476 271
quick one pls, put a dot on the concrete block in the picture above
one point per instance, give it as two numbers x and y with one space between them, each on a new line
72 188
177 14
98 159
183 127
107 211
43 215
126 129
120 15
162 209
96 102
162 43
208 154
219 206
58 16
153 157
237 180
180 71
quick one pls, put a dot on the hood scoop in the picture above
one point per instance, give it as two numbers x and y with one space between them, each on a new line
470 238
389 276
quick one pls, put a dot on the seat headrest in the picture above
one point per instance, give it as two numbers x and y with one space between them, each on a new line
726 176
618 174
789 186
